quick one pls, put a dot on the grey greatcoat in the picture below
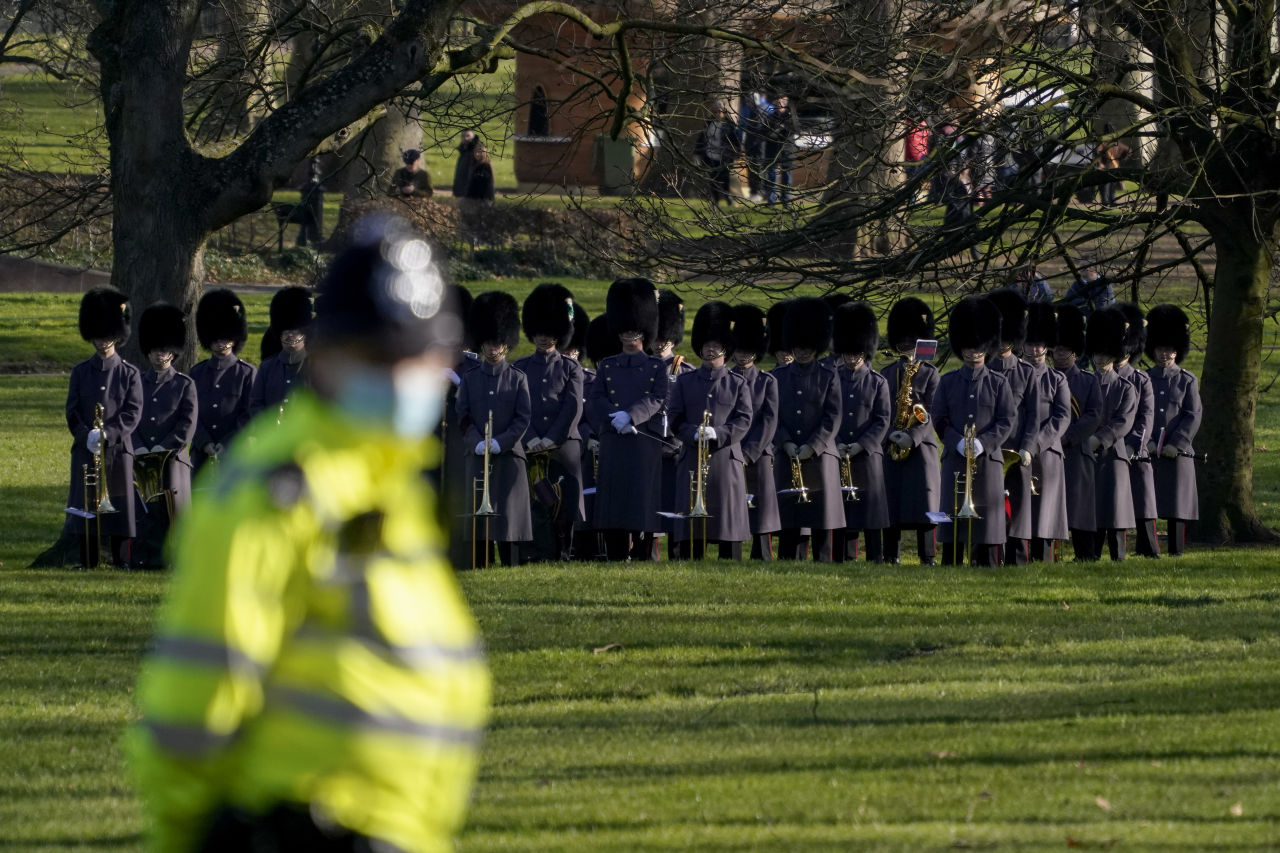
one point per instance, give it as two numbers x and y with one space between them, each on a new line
809 413
864 418
757 449
660 426
1143 431
1178 414
629 483
117 385
1044 425
726 396
913 486
555 397
276 381
981 397
504 391
168 420
1113 492
223 387
1077 464
1018 480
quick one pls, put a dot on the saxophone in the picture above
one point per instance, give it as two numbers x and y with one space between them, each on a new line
907 413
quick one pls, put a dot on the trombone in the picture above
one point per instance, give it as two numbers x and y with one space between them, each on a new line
962 506
485 510
96 495
698 482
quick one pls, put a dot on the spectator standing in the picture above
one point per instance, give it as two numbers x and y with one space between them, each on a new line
478 198
311 204
717 148
466 160
1032 285
410 179
1111 153
1092 291
781 151
755 144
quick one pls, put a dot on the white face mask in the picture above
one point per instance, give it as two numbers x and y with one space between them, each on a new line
409 402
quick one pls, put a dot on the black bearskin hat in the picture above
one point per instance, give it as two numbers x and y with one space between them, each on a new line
270 345
1106 332
632 306
749 331
1135 336
857 331
1071 329
578 340
220 317
909 318
835 300
291 309
1042 325
1013 316
774 321
807 325
974 324
462 298
162 326
1168 326
104 314
601 341
714 322
670 317
549 310
495 316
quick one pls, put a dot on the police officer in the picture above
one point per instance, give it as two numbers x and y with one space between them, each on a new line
1113 493
1086 415
1017 481
1177 420
974 396
1048 415
599 345
281 375
108 380
913 484
629 392
808 422
224 381
864 422
167 426
317 681
1144 484
496 389
757 446
713 406
555 394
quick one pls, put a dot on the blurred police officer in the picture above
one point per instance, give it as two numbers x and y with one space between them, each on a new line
1113 491
224 381
1048 414
283 374
1177 420
1086 415
757 446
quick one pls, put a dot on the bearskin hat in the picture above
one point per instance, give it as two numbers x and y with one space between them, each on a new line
835 299
974 324
1071 329
602 342
774 321
1168 326
856 330
909 318
632 306
1135 336
270 345
1013 316
291 309
495 316
1042 325
748 330
548 310
220 317
462 298
578 340
1106 332
104 314
162 326
714 322
807 325
670 317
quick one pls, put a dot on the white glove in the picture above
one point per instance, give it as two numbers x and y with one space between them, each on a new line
210 449
1025 456
707 433
842 449
593 445
977 447
533 445
619 420
480 447
853 449
157 449
218 448
901 439
1169 452
493 446
806 452
94 440
789 448
1094 443
453 376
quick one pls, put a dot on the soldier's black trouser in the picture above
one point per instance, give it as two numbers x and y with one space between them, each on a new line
1148 541
1177 536
685 549
926 543
1042 550
1085 544
1116 540
846 546
792 545
979 555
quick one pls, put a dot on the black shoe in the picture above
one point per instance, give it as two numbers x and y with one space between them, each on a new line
929 562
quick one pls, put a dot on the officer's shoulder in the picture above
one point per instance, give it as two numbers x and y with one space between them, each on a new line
1187 374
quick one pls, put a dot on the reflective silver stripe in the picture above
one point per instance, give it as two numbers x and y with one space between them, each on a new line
186 740
413 656
189 650
337 710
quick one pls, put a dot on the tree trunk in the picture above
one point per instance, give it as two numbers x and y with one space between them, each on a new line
1229 385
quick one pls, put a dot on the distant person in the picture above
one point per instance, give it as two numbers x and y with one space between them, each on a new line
755 119
475 203
311 207
466 162
410 179
1033 286
1111 155
717 148
1092 291
783 126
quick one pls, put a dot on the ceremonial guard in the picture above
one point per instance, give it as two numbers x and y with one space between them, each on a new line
670 336
913 481
494 412
1113 493
629 393
775 319
284 373
553 444
976 400
1177 420
224 381
1144 485
757 446
1086 415
1047 417
1017 480
864 422
711 415
807 475
161 460
107 381
599 345
453 486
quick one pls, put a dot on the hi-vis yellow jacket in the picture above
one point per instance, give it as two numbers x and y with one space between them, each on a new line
314 647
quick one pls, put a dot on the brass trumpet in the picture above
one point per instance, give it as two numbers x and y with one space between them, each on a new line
797 481
847 487
103 495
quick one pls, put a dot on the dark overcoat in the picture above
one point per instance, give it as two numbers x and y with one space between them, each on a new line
588 460
1018 480
864 418
672 500
1113 491
276 380
555 397
168 420
223 388
757 450
809 413
117 385
913 486
1178 414
726 396
1143 431
1047 417
455 488
504 391
1077 464
629 483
